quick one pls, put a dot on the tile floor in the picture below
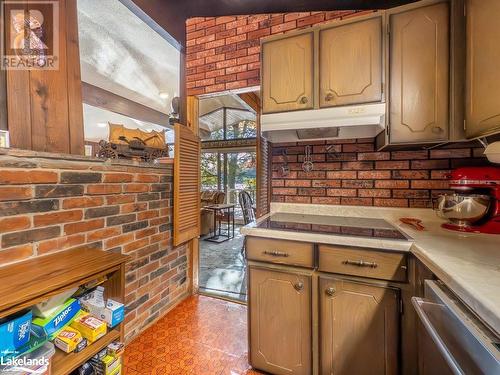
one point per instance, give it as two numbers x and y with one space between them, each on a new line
202 335
222 269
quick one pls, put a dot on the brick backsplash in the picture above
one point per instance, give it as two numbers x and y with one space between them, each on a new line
351 172
48 205
223 53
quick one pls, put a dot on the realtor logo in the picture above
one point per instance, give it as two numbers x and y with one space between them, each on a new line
31 35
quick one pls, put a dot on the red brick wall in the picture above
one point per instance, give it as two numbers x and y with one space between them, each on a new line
49 205
223 53
352 173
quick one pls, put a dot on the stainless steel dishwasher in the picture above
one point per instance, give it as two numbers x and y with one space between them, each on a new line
451 340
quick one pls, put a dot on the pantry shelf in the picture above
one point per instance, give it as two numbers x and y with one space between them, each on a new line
30 282
27 283
64 363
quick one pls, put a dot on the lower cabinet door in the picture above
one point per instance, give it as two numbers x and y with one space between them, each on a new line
280 321
359 328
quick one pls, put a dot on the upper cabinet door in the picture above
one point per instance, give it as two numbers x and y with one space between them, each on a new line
359 328
419 73
280 321
288 73
351 63
482 111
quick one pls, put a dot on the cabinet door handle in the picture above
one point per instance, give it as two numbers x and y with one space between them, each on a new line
329 97
360 263
437 129
299 286
304 100
276 253
330 291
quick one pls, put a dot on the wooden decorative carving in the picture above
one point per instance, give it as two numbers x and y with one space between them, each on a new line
133 144
118 133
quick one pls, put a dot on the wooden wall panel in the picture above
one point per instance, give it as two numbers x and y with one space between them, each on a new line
3 91
44 107
19 108
3 100
75 107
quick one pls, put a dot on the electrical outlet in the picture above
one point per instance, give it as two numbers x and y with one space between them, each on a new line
4 139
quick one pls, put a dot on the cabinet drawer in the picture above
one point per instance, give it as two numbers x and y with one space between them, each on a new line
361 262
280 251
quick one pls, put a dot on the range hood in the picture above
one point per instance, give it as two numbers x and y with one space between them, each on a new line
361 121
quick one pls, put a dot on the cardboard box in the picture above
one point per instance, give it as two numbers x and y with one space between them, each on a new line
14 332
59 319
67 339
113 313
89 326
107 365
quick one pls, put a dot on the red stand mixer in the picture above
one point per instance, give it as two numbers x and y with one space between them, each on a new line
475 205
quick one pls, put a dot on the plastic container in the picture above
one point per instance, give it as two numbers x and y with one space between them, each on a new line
38 360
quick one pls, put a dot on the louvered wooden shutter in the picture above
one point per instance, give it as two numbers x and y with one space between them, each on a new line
263 177
262 198
186 185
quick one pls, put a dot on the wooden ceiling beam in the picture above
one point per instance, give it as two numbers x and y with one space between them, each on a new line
100 98
251 99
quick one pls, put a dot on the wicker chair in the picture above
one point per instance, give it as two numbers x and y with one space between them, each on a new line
207 216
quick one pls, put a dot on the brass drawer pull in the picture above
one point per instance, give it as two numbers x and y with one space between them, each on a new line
276 253
330 291
329 97
360 263
299 286
304 100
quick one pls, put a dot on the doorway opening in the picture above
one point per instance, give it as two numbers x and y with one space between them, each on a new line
228 130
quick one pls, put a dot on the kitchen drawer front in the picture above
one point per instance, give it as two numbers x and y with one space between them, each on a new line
280 251
362 262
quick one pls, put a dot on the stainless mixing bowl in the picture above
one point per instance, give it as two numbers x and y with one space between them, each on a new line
462 209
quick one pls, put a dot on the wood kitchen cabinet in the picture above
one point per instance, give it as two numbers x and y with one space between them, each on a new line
350 62
419 71
482 112
288 73
359 328
280 321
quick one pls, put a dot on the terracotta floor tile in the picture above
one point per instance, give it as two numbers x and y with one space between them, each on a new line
201 336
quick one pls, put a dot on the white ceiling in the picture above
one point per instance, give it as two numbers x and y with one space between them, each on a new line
122 54
215 102
215 120
96 128
211 111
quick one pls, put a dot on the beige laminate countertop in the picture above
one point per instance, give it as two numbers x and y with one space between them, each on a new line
469 264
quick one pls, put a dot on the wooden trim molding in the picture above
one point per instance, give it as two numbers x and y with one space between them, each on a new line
262 157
